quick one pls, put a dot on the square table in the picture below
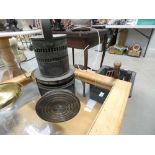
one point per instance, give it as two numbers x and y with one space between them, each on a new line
101 119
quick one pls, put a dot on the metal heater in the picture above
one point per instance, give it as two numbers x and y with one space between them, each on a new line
53 77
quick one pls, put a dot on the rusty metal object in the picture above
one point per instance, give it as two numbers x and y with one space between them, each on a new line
117 65
110 73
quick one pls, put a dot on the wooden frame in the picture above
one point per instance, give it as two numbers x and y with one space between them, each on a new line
110 116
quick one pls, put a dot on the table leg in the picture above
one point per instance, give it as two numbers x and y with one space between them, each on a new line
84 85
85 67
73 55
86 59
103 50
8 57
148 43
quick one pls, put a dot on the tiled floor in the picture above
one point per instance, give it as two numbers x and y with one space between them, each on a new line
139 116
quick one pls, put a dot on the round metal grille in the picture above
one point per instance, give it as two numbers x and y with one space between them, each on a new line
58 106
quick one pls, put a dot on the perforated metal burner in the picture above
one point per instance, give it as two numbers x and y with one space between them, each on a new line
58 106
51 55
54 76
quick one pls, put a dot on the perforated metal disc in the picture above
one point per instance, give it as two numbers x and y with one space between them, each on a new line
58 106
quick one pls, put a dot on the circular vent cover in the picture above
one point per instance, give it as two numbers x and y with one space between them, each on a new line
58 106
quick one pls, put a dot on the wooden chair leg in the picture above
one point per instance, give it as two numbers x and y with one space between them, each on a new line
73 55
103 50
85 67
86 59
9 59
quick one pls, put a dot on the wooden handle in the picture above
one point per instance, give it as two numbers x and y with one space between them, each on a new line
21 79
94 78
83 75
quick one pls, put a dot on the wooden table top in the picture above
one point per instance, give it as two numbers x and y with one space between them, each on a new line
18 33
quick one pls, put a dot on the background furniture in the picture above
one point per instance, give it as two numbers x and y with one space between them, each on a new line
136 28
81 39
6 52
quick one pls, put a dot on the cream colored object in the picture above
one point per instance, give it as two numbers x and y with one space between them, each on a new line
19 33
134 53
21 46
19 54
8 58
134 50
24 24
103 21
